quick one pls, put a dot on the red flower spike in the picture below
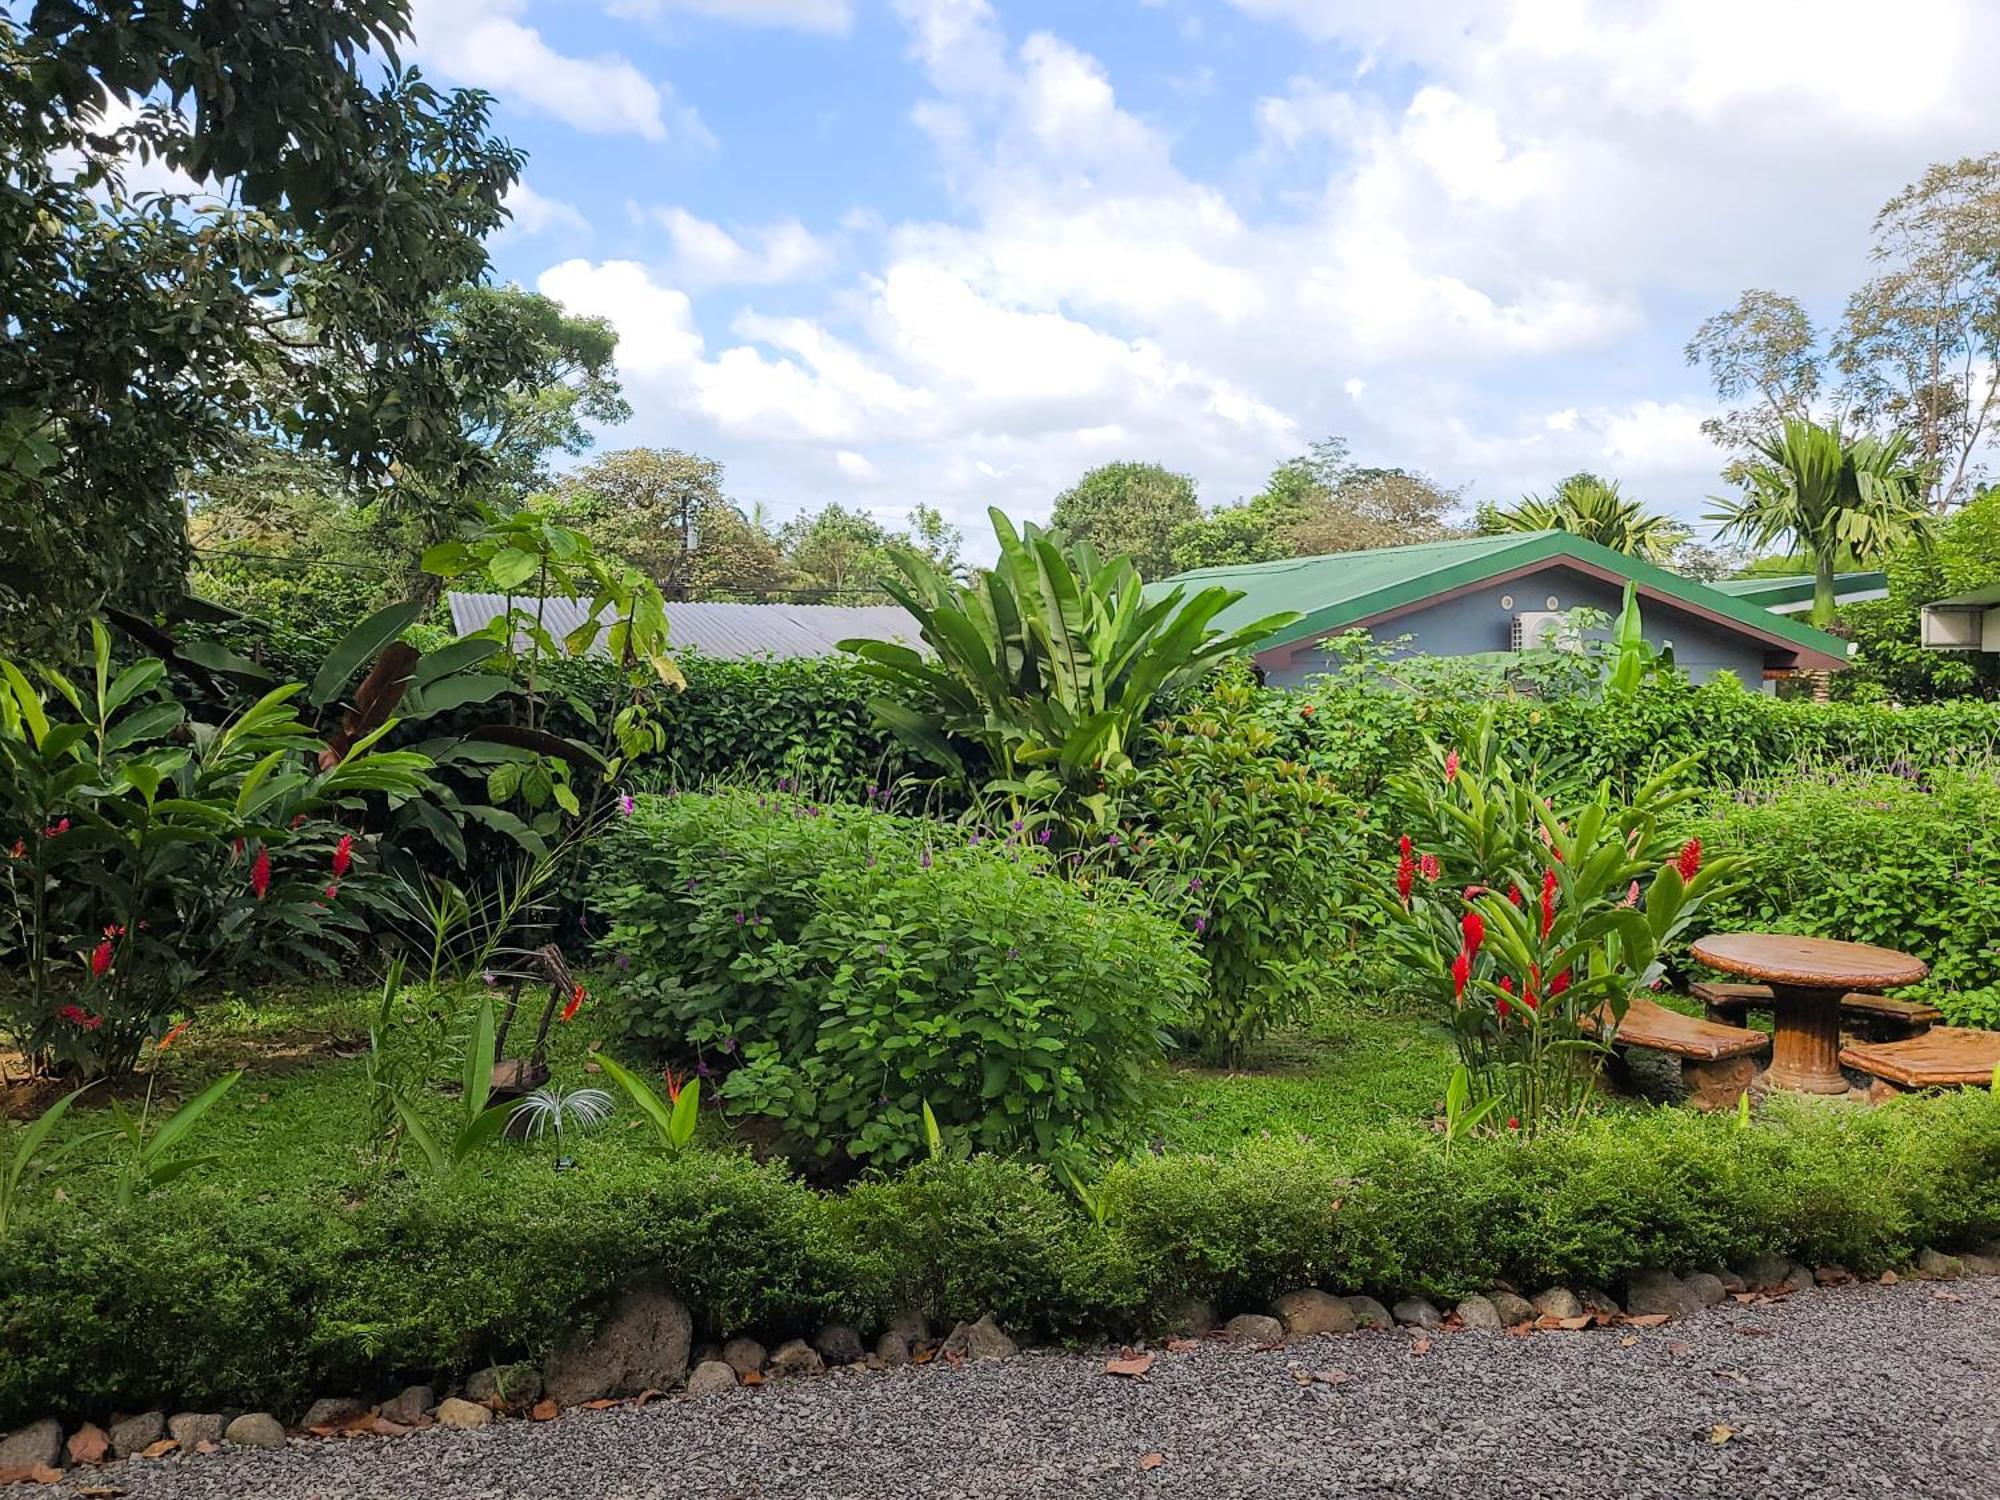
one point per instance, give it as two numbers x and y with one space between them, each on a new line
1631 895
100 959
343 856
1513 1122
1689 860
675 1083
1559 984
1450 767
1461 971
1429 867
576 998
260 873
1473 926
1514 894
1548 902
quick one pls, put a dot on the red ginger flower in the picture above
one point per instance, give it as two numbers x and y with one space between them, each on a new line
1473 926
1548 902
100 959
1503 1005
1514 894
260 873
343 856
1406 869
77 1016
1451 766
1559 984
1461 971
1689 861
1429 867
576 998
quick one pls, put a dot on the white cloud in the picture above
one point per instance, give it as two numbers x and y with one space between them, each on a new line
534 214
834 16
656 332
707 254
481 42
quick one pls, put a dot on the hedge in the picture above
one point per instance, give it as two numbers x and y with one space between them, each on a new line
207 1296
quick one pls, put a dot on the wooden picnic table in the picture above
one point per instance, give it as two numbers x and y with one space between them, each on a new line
1807 977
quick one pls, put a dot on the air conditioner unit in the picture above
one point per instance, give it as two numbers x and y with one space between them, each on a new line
1545 629
1947 629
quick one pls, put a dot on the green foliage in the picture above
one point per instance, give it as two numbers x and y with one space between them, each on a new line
1129 510
475 1121
147 1160
1595 510
28 1157
1964 555
254 1292
844 973
1909 862
673 1119
1254 850
1045 665
150 849
1540 918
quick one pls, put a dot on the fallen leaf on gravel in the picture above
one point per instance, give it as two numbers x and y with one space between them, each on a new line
1151 1461
1421 1344
1720 1434
1746 1296
1182 1346
1332 1377
602 1403
756 1377
1736 1375
1571 1325
157 1450
647 1397
545 1410
1890 1278
1646 1320
923 1356
1132 1366
383 1427
206 1446
30 1474
1679 1346
1520 1331
1628 1341
1947 1296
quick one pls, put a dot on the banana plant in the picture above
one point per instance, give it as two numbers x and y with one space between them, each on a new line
1046 663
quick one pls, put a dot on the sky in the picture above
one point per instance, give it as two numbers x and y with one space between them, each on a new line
956 252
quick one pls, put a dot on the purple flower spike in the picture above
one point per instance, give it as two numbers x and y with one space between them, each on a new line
739 919
626 806
1113 840
1044 835
1201 924
1194 882
703 1070
881 947
925 861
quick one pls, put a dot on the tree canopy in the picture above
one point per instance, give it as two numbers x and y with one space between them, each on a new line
1596 510
1128 510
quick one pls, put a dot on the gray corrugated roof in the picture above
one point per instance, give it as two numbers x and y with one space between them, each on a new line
721 630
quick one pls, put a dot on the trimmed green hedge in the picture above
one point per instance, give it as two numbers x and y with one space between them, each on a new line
204 1298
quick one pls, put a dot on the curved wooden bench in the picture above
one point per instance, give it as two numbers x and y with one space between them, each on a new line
1723 1001
1944 1057
1718 1062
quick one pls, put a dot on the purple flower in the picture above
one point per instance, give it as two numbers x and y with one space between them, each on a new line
1194 882
1013 953
881 947
702 1069
729 1044
784 783
924 861
1201 924
739 919
973 842
490 977
1112 839
626 806
691 882
1043 836
624 960
871 791
1016 825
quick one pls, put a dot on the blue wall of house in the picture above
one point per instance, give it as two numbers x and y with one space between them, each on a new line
1483 619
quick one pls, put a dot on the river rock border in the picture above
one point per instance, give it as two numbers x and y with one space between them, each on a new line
642 1351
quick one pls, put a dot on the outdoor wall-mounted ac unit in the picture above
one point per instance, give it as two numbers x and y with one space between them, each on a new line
1947 629
1543 629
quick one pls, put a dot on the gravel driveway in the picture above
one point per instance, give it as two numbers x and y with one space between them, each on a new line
1861 1391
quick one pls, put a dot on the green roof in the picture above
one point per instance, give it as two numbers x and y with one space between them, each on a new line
1343 589
1978 598
1791 588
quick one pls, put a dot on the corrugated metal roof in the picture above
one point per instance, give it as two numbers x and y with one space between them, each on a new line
1792 588
722 630
1341 589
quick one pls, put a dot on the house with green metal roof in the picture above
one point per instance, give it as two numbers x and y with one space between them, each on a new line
1792 593
1471 595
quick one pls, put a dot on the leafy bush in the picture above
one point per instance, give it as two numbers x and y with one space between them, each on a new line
843 972
214 1296
1911 863
1255 851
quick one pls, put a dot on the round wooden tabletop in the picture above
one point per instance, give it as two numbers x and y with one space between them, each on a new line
1808 962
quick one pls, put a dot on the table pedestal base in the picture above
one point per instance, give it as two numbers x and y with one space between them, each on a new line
1805 1046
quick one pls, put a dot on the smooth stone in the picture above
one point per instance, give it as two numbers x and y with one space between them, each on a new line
255 1429
1479 1312
1368 1313
1558 1302
89 1444
1513 1308
981 1340
1798 1279
191 1428
1833 1275
1308 1312
1192 1319
892 1350
709 1377
744 1356
839 1344
518 1384
1653 1294
411 1405
1597 1300
796 1357
1939 1267
454 1412
1764 1273
1708 1289
1418 1312
1980 1265
913 1327
38 1445
137 1434
331 1411
1255 1328
1731 1282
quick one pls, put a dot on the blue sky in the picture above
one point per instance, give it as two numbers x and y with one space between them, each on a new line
957 251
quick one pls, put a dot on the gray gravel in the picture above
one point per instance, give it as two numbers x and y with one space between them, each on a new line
1860 1391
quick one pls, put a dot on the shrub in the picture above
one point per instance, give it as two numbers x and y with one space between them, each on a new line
1255 851
1911 863
211 1296
843 973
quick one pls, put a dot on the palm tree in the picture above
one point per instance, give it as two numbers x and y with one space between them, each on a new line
1593 509
1810 489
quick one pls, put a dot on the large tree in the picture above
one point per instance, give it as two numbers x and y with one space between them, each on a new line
1808 488
838 556
1128 510
1595 509
218 220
